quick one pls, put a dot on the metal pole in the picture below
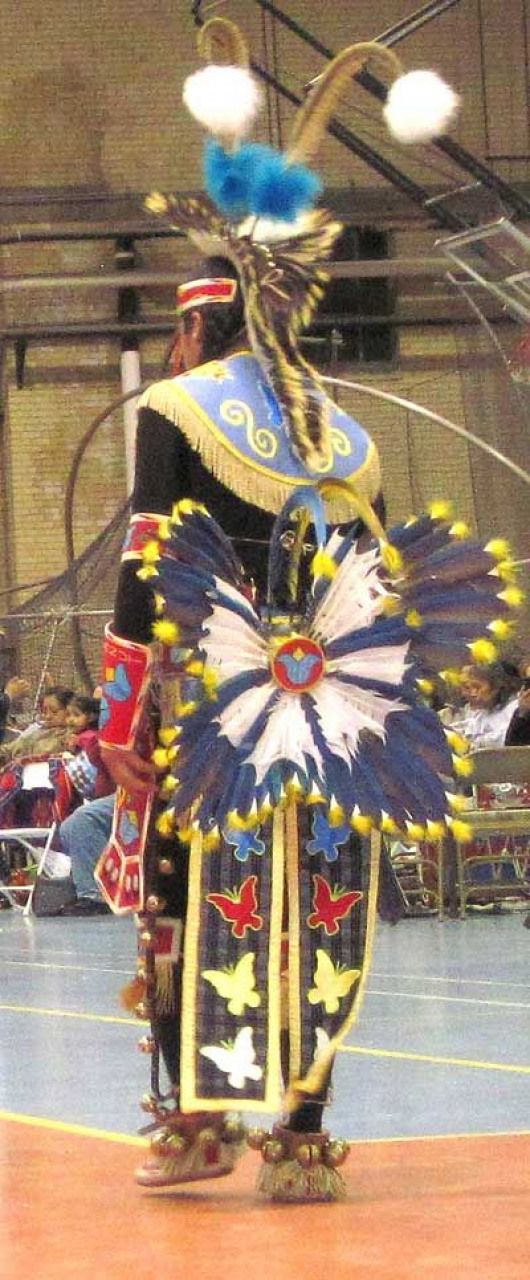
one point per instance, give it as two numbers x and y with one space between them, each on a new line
464 159
419 195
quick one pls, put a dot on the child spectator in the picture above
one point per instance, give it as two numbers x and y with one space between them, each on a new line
83 762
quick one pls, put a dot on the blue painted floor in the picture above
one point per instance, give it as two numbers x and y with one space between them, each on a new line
442 1045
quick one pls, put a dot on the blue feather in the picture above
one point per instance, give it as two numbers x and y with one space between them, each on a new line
257 179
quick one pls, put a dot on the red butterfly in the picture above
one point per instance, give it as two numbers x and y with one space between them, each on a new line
331 904
240 907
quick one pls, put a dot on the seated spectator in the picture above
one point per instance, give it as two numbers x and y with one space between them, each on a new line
14 690
83 836
45 738
83 762
490 702
518 734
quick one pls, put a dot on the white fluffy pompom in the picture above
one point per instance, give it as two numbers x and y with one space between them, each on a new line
420 106
226 100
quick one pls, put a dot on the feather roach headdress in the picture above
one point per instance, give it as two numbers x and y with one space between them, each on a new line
260 207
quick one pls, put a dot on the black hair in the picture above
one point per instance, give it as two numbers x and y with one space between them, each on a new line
90 707
503 679
223 321
62 695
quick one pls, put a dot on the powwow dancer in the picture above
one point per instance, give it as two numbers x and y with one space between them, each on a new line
287 717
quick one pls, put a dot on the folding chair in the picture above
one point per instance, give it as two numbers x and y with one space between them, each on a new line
508 872
34 842
419 870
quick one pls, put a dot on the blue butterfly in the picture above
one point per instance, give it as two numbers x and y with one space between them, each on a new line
118 689
298 669
245 843
128 828
327 839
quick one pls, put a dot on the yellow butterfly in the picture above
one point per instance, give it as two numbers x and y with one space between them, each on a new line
236 984
237 1059
331 983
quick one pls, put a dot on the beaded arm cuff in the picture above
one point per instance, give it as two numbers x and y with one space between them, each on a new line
143 528
126 675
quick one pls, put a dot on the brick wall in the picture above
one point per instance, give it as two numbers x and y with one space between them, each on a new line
92 102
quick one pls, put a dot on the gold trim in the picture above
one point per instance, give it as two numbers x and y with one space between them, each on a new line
273 1087
188 1098
293 891
318 1071
250 480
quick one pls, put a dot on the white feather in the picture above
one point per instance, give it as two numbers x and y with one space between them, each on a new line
273 230
344 710
231 645
286 736
420 106
238 717
387 662
226 100
354 597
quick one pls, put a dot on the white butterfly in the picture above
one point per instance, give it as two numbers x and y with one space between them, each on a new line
237 1060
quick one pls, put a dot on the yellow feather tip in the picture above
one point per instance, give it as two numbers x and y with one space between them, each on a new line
165 823
169 785
440 510
323 565
435 830
362 823
212 840
166 631
413 618
210 680
336 814
463 766
483 651
148 571
501 628
151 552
506 570
457 742
451 676
186 709
168 735
460 530
462 831
390 606
160 758
499 548
425 686
195 667
513 597
415 831
457 802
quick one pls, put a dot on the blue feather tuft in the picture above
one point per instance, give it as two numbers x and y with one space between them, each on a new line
258 180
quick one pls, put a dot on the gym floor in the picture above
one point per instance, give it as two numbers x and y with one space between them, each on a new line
433 1089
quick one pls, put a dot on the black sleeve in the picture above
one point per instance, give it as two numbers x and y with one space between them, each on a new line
518 732
161 478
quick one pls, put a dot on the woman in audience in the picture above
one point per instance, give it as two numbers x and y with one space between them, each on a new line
490 704
48 736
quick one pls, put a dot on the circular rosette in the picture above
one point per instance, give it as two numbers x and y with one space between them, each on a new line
298 664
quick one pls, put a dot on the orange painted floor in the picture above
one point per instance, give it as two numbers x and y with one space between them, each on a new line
427 1209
